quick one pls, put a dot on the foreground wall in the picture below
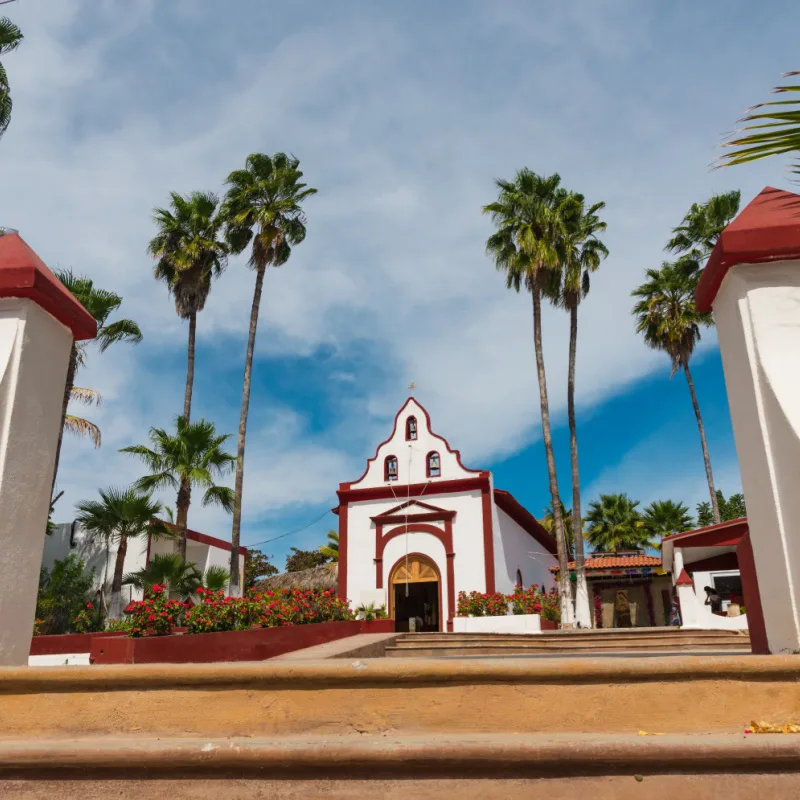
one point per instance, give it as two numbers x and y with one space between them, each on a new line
511 623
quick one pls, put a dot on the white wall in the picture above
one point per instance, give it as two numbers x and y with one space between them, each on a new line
468 565
515 549
512 623
756 312
411 456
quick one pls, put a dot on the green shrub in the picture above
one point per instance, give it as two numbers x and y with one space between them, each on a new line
63 595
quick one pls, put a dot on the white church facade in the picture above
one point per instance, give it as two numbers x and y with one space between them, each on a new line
418 527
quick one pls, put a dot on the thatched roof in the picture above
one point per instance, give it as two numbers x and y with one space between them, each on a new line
321 578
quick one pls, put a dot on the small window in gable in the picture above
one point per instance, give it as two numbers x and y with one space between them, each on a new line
390 468
519 578
434 466
411 429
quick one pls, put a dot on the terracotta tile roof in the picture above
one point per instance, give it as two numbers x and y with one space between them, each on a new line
613 561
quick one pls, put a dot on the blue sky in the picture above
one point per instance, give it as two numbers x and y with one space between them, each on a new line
402 116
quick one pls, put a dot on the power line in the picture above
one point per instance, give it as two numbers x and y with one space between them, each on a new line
289 533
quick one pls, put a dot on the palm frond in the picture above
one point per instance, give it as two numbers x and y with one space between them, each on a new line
83 428
88 397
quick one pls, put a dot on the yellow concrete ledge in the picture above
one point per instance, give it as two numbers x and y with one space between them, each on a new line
393 672
447 756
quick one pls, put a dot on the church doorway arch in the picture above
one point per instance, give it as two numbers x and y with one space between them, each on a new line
415 591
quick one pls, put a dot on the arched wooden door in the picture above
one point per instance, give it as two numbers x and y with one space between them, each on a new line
416 591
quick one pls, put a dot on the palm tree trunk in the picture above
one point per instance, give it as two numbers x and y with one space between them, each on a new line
182 514
558 523
237 499
71 370
706 458
115 607
187 397
583 614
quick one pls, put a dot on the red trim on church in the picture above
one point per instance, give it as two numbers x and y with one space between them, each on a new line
456 453
348 495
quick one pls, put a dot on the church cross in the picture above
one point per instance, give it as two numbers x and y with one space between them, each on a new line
412 386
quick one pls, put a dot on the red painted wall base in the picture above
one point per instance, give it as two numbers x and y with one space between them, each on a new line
256 644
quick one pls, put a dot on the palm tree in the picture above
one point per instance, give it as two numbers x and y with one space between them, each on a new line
10 37
192 456
531 214
262 205
331 549
548 523
581 256
188 252
120 515
665 517
181 578
702 226
79 426
667 317
613 524
101 304
776 131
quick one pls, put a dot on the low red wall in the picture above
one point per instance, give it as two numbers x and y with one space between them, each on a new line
57 644
548 624
255 644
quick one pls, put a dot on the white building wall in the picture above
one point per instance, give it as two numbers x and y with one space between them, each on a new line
515 549
467 541
92 550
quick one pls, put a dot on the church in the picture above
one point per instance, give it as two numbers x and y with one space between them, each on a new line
418 527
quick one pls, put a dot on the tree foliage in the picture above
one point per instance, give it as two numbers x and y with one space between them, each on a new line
257 565
10 38
730 509
304 559
615 523
331 549
63 593
665 517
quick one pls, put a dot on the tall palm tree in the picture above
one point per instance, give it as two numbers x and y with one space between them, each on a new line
262 205
581 256
665 517
331 549
776 130
530 214
614 523
10 37
101 304
191 457
189 251
667 317
120 515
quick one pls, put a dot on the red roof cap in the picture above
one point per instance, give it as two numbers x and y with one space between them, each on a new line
767 229
24 274
684 579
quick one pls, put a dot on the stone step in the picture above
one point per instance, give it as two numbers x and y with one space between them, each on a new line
642 633
401 697
498 652
467 765
588 641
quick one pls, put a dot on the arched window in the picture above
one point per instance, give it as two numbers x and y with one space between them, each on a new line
434 465
390 468
519 578
411 429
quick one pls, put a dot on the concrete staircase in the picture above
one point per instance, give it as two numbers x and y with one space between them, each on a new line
641 641
392 728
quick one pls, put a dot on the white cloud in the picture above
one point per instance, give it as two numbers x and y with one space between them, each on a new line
402 121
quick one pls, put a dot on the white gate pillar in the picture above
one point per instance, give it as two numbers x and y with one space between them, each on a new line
38 320
752 283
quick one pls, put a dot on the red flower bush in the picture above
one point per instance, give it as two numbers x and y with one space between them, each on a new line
265 610
533 600
154 616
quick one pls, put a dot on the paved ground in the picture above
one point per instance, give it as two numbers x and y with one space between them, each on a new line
342 648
